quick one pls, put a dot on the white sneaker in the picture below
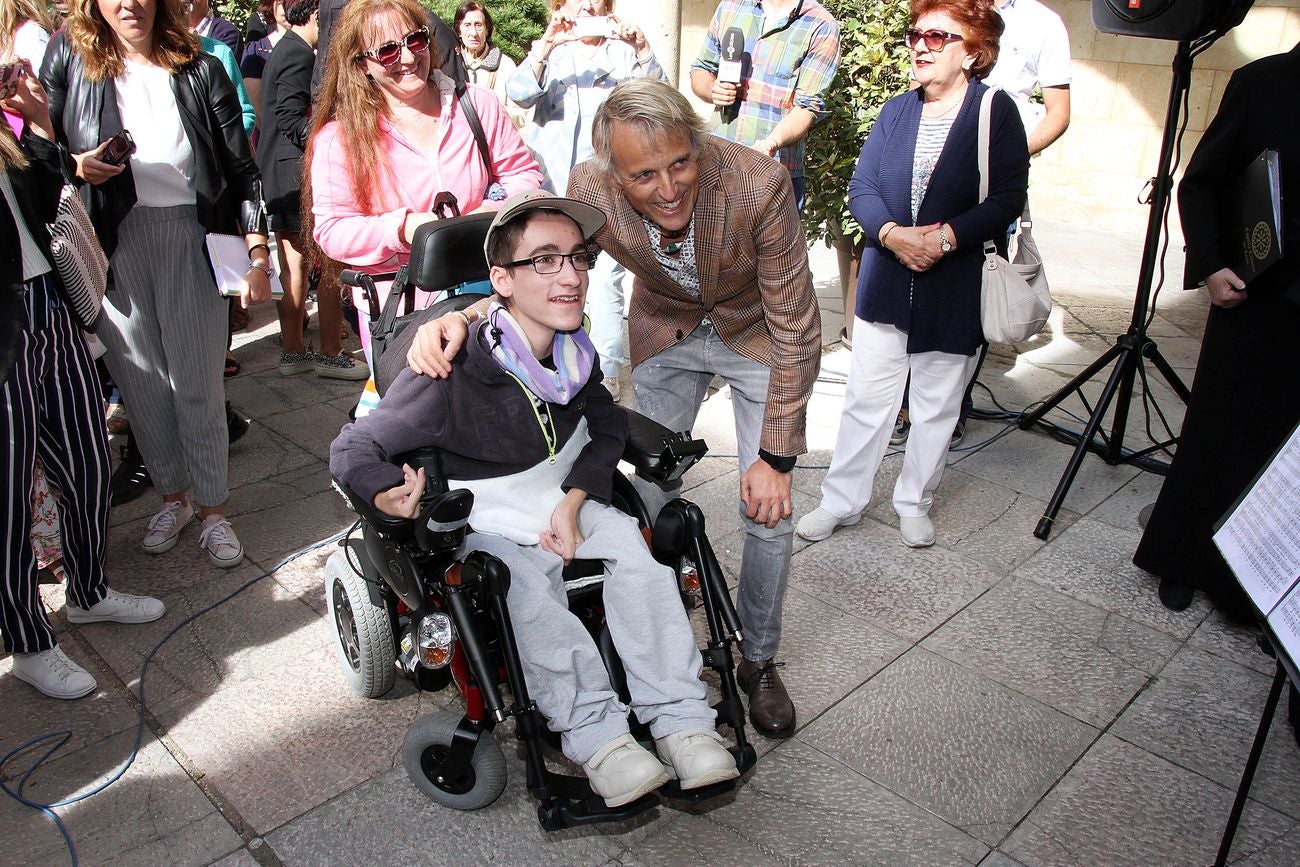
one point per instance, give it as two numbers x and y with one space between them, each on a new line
622 771
165 527
697 758
819 524
219 540
53 673
117 608
916 532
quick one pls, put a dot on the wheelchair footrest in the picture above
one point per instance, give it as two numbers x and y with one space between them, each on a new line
570 809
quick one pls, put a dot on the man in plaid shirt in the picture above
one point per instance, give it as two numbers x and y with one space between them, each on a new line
790 55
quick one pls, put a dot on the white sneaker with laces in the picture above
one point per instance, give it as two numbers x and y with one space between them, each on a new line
697 758
165 527
219 540
819 524
622 771
117 608
53 673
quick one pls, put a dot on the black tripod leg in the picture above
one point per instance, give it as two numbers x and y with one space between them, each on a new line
1167 371
1081 448
1252 761
1030 419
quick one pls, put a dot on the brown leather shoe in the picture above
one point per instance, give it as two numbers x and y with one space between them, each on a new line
770 708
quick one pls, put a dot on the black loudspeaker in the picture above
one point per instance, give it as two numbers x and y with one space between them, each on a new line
1180 20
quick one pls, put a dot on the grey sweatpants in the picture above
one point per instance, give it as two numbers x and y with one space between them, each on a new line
165 327
646 619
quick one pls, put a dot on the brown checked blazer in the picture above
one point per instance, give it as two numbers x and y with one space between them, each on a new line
755 285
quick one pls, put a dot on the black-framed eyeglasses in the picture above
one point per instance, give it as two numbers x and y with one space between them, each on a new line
553 263
935 40
417 42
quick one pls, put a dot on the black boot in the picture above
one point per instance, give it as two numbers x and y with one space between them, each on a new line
131 478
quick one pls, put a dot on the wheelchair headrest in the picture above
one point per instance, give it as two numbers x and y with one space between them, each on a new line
446 253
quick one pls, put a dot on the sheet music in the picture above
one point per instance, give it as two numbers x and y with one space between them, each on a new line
1260 540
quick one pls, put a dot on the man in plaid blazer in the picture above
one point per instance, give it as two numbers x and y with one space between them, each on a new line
709 230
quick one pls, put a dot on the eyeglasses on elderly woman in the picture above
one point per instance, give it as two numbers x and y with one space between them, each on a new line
417 42
935 40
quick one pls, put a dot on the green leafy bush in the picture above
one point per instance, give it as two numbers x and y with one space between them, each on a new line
515 23
874 66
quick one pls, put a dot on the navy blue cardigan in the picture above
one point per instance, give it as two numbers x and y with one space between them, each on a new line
941 312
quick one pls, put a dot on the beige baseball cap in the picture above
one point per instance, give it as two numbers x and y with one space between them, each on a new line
589 219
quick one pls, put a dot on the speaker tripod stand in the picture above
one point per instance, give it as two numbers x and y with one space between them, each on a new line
1134 345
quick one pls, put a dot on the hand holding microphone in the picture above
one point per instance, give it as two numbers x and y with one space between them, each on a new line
726 87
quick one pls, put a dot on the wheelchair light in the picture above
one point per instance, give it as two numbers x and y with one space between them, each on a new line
436 637
689 577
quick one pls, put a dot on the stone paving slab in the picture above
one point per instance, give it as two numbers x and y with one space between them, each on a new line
866 570
1081 660
1202 713
808 808
1120 805
969 750
1092 562
154 815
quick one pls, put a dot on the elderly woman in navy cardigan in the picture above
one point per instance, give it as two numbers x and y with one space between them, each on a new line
915 193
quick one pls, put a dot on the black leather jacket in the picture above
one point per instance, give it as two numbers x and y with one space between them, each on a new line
226 181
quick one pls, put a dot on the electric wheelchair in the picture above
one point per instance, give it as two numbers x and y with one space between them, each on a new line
404 598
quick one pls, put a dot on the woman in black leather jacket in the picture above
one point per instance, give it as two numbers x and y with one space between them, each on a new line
51 407
134 65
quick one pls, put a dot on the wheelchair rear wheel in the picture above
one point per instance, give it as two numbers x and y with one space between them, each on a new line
363 632
427 745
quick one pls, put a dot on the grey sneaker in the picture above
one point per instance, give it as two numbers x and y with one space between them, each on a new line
294 363
165 527
902 426
341 366
219 540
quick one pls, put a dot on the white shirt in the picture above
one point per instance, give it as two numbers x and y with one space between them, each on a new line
1035 51
163 163
28 44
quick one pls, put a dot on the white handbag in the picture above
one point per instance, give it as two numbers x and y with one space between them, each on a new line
1014 298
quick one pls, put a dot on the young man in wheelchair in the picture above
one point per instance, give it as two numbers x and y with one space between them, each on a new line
530 430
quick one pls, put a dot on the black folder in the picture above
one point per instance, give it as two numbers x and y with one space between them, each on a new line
1257 217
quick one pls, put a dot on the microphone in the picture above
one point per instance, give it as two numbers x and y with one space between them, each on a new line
730 67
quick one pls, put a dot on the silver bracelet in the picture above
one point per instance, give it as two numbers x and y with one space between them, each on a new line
463 315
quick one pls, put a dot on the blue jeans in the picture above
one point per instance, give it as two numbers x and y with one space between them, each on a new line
669 388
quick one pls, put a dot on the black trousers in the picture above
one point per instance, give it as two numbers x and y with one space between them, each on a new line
51 408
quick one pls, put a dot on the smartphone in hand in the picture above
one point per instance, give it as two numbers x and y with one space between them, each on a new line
119 149
594 25
10 75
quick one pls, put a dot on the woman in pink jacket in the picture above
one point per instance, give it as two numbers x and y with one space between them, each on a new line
389 135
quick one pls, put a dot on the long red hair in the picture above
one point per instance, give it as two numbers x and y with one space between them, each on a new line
348 97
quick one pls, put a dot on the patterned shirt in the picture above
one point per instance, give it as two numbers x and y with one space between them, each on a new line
679 266
787 64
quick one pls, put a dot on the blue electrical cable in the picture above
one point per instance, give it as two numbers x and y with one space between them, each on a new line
64 735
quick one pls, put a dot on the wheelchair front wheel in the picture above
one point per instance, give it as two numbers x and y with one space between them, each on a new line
427 745
363 632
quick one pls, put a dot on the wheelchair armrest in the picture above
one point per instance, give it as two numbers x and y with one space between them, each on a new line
396 529
658 454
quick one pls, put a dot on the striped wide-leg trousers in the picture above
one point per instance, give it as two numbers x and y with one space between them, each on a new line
165 326
51 407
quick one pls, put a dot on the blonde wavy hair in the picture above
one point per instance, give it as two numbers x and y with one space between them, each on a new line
96 44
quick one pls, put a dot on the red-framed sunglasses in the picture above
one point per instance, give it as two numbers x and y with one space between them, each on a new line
417 42
935 40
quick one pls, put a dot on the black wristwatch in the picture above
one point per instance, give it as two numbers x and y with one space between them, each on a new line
777 462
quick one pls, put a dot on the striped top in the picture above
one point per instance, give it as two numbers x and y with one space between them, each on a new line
930 138
787 63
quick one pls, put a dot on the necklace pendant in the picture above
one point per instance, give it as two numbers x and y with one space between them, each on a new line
673 249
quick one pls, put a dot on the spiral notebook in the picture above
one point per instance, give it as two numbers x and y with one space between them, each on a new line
229 257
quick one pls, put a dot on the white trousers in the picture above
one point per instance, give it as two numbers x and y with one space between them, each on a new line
878 374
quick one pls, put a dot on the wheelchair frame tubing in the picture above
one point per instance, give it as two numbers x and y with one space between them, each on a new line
476 655
719 609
